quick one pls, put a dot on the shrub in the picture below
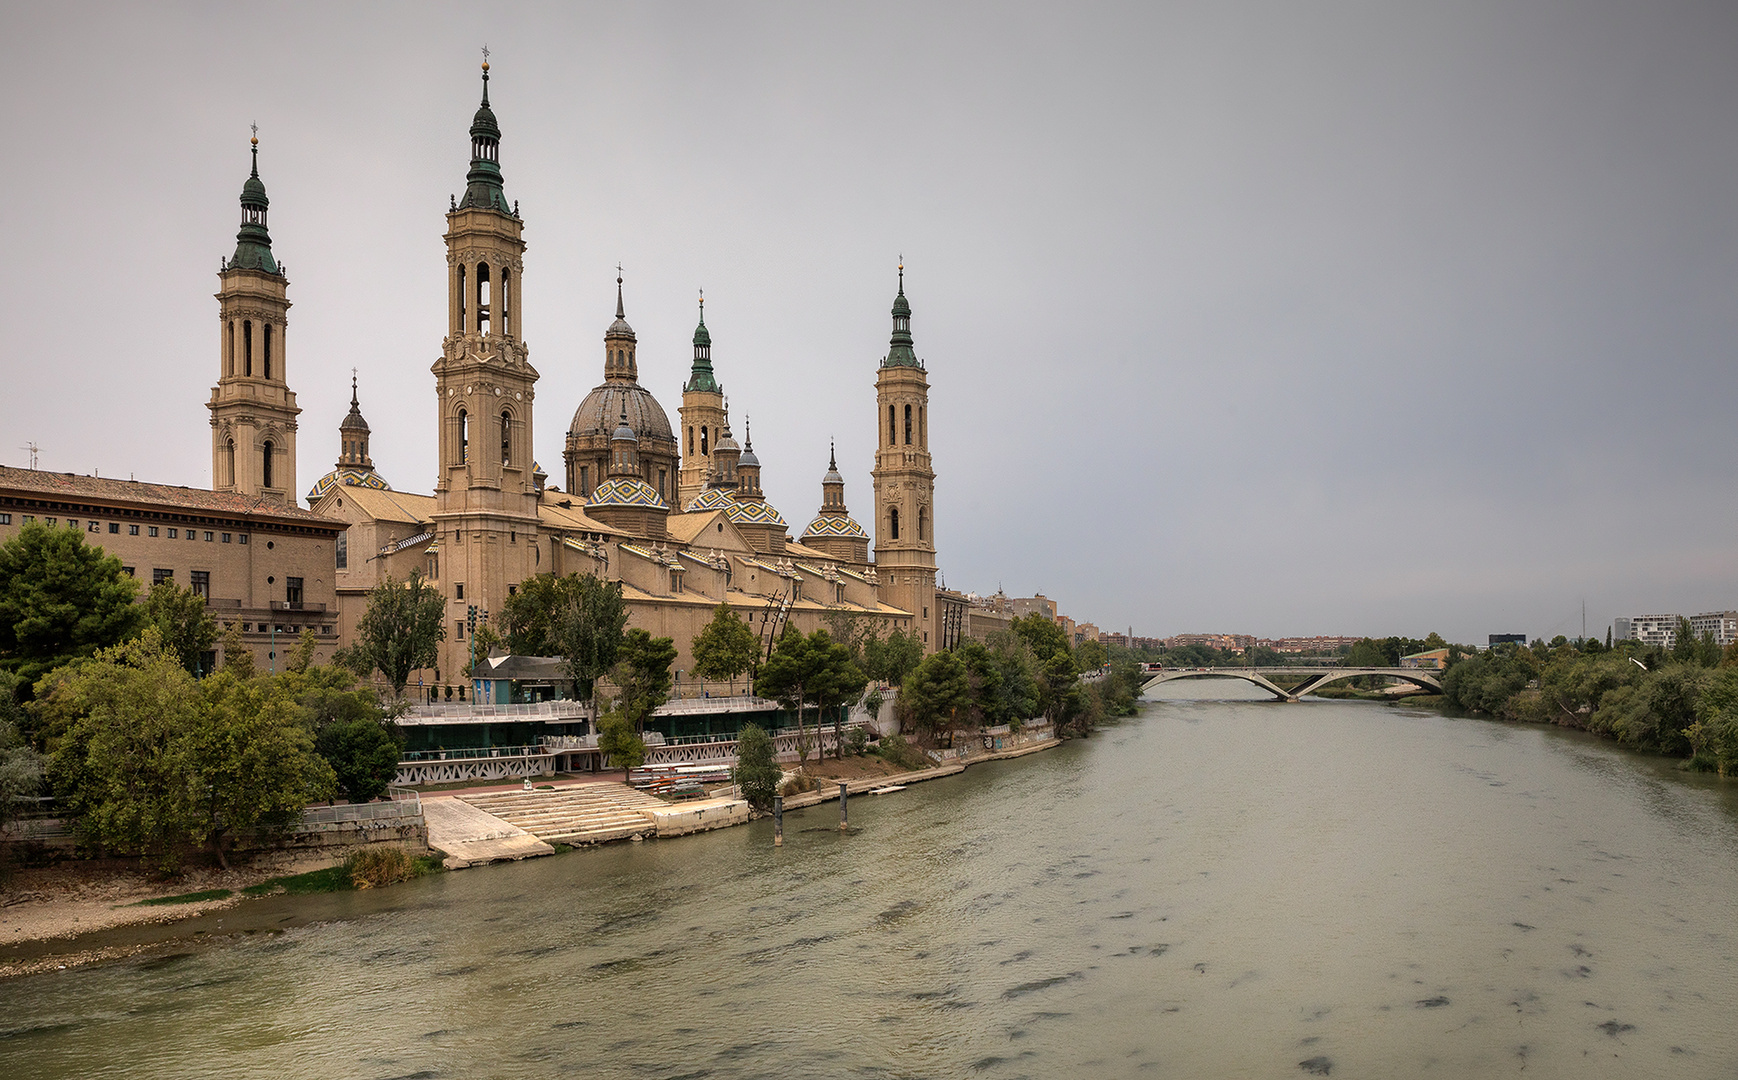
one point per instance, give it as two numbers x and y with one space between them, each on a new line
895 749
857 742
373 867
798 783
757 772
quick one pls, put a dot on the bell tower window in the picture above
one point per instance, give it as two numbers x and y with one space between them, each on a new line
908 425
464 446
506 437
892 427
463 307
483 299
247 346
506 314
229 463
229 350
893 522
266 465
266 352
705 444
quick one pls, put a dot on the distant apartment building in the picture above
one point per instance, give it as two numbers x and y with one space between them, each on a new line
1232 642
1324 644
1085 632
1516 639
1723 625
1022 606
1431 658
1661 630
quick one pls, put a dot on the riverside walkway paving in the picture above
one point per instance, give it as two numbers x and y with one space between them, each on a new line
592 813
470 836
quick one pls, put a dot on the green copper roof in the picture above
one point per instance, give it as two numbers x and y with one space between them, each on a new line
483 182
899 350
253 244
701 378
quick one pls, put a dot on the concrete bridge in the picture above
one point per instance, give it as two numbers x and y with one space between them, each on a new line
1422 680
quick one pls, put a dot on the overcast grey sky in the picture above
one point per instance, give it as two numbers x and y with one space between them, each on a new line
1275 318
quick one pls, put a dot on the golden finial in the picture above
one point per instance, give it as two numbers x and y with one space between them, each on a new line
255 128
485 58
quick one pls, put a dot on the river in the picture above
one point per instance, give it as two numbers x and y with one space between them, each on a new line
1231 888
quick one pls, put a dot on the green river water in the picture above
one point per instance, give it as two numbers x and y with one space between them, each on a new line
1227 888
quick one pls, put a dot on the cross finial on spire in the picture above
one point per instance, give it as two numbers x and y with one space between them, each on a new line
747 434
902 273
832 454
620 314
255 144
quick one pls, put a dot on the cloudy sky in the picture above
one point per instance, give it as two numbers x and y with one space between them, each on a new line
1275 318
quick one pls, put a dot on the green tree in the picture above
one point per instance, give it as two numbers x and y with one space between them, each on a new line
619 742
757 772
936 693
402 628
1041 633
643 675
20 764
60 599
237 657
1714 736
363 754
578 618
890 659
151 762
1091 655
838 682
184 622
725 647
787 677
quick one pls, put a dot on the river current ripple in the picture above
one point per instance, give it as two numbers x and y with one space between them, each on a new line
1212 889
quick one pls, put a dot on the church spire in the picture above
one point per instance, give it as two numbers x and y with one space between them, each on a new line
701 377
900 352
253 244
483 182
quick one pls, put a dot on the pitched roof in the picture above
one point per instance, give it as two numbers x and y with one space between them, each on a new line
139 493
402 506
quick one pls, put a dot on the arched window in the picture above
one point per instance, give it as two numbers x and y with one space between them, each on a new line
266 333
506 437
892 427
690 440
229 463
229 350
464 437
908 425
922 428
247 347
483 299
506 315
463 307
266 470
893 522
923 523
705 445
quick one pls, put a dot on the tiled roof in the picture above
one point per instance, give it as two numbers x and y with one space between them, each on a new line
625 491
836 526
346 477
138 493
754 513
711 499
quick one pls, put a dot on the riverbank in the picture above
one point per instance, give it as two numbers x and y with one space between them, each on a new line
48 915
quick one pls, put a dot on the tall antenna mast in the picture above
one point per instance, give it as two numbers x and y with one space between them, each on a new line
32 448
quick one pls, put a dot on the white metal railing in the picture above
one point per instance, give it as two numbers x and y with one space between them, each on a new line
540 710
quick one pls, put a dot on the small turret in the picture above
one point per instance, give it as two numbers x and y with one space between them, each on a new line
483 182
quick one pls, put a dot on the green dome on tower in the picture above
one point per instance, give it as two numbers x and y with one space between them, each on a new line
483 182
899 348
253 243
700 378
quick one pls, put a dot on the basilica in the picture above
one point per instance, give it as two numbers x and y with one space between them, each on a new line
675 513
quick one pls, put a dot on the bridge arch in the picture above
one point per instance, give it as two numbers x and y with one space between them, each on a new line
1423 681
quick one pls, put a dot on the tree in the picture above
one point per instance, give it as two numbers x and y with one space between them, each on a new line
725 647
237 657
619 742
363 754
936 692
891 658
152 761
1041 633
837 683
60 599
578 617
757 772
185 624
643 675
20 764
400 631
786 677
1091 655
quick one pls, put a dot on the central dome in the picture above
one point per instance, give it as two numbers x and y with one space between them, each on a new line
602 410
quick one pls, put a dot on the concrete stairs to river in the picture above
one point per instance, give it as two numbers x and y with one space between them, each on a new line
584 814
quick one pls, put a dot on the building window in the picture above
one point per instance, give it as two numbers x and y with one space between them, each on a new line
266 474
202 583
893 522
150 530
459 591
343 549
459 630
242 538
325 629
5 519
434 566
247 347
908 425
127 570
661 474
192 534
585 480
705 443
227 537
159 576
512 590
506 437
208 538
266 333
132 530
293 590
675 581
28 518
173 535
114 526
464 438
95 526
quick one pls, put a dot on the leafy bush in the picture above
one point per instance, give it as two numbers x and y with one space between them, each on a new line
798 784
757 772
894 749
857 742
373 867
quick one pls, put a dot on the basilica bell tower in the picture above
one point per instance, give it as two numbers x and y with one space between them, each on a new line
253 411
905 480
485 488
